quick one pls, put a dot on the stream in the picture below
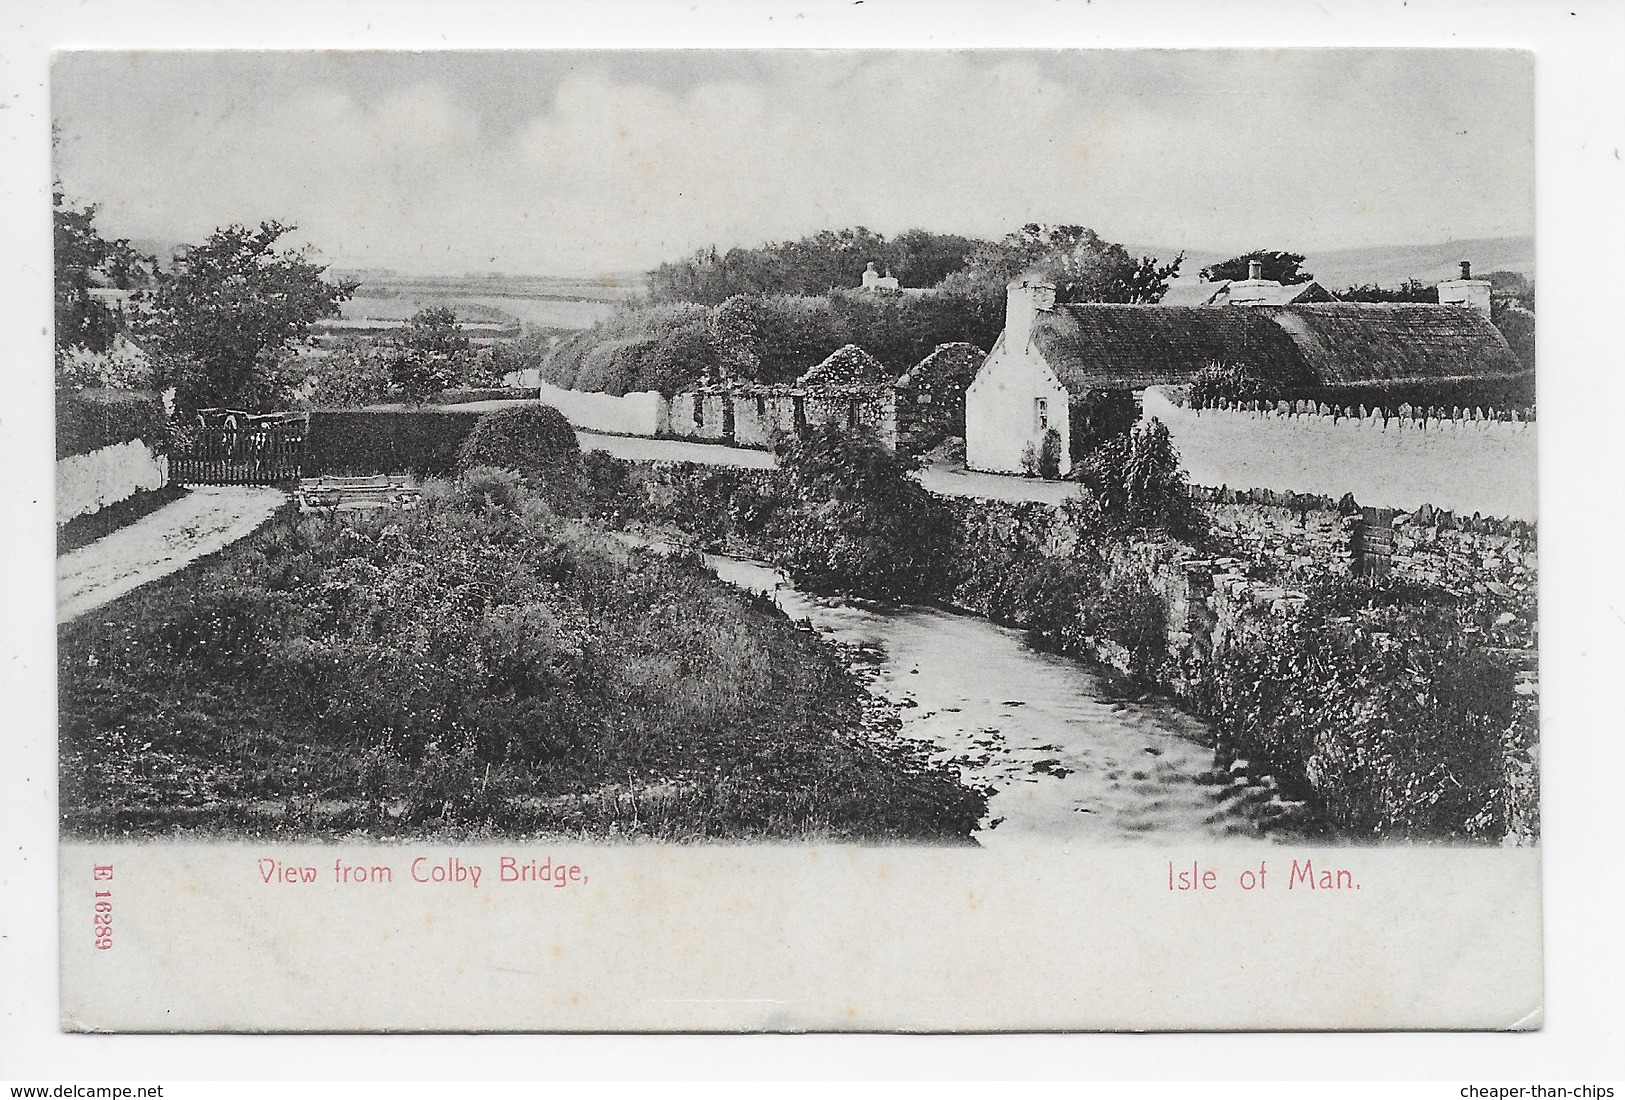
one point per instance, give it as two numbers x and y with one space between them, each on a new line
1066 757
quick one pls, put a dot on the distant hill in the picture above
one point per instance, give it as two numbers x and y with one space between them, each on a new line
1384 265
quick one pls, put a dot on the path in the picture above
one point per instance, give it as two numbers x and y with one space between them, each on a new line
945 480
209 518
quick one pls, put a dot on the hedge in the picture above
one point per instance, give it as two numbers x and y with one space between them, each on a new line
350 442
88 420
467 394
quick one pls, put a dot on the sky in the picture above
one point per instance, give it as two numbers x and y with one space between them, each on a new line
608 162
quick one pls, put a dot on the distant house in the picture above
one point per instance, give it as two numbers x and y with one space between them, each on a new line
1051 360
1254 290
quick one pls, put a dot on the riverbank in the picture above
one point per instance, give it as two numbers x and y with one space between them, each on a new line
476 667
1403 708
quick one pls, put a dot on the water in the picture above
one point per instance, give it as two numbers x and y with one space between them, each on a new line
1067 758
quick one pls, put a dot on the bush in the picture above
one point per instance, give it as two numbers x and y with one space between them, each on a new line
88 420
1099 416
1219 383
1382 708
534 441
386 441
1138 482
1049 455
857 523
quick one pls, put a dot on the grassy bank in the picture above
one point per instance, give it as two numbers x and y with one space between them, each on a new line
476 667
1390 707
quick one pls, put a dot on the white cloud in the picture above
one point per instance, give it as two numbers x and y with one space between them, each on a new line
623 164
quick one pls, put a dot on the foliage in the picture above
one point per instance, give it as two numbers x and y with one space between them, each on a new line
856 522
1096 416
1049 455
475 666
1383 704
1084 267
123 365
353 442
670 348
85 259
88 420
1282 267
349 377
1218 383
536 442
430 355
1411 290
813 265
1138 482
231 313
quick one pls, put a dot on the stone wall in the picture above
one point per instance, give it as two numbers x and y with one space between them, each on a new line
90 482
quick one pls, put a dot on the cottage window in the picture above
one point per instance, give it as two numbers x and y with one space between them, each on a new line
699 410
761 405
1041 413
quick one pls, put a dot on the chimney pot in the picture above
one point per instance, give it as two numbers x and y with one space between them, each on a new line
1466 269
1255 269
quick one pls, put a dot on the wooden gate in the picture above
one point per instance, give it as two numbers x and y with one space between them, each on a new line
254 455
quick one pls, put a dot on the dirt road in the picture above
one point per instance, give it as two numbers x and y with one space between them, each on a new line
208 518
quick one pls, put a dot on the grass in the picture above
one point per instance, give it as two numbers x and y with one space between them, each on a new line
478 667
84 530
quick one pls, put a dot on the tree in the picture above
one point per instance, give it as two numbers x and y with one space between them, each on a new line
83 259
1084 267
1411 290
232 312
430 355
1137 482
1279 266
857 522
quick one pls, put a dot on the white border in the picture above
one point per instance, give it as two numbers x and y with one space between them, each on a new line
1580 85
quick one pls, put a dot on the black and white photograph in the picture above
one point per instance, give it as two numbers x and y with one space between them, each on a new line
694 540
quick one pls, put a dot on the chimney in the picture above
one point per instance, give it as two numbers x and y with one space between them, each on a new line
1025 297
1466 291
1255 269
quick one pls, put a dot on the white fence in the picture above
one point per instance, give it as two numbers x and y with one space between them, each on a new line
1466 466
90 482
645 413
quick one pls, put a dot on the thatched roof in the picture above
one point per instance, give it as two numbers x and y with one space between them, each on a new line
1100 346
846 367
1355 342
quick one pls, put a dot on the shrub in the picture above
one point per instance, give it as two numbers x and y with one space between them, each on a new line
88 420
1381 707
534 441
1218 383
1139 483
857 523
1098 417
1049 455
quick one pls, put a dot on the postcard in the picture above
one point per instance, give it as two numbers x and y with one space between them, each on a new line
785 540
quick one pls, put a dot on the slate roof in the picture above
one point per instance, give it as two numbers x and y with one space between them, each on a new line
1353 342
1101 346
